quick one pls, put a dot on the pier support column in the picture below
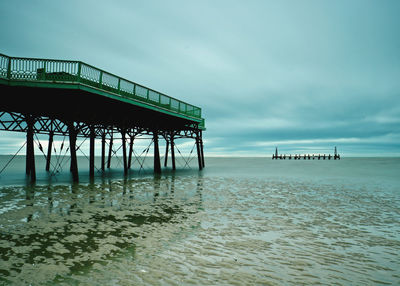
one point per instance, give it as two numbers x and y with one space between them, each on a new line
172 152
48 158
91 155
198 151
103 150
166 153
30 153
130 152
202 149
72 149
110 151
157 164
123 133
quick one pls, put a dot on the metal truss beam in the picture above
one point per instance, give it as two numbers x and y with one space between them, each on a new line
33 124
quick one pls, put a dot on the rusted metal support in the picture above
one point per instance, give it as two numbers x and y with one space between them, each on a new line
130 152
103 150
72 149
173 152
202 153
202 149
166 153
48 158
110 152
198 152
91 150
123 133
30 153
157 164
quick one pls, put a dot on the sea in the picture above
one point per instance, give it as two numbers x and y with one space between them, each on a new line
239 221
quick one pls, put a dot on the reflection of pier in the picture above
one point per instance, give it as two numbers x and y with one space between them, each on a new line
77 226
277 156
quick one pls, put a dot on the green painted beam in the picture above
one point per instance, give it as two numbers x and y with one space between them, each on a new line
50 73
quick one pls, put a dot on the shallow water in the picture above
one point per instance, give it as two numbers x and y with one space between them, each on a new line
241 221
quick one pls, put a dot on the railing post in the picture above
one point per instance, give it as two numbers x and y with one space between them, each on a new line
147 95
119 85
9 68
101 78
79 71
134 89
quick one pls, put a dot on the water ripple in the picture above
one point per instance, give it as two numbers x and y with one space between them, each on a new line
200 231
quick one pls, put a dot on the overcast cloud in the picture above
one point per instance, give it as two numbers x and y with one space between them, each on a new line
300 75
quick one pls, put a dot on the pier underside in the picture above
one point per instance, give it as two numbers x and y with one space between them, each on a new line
83 106
74 112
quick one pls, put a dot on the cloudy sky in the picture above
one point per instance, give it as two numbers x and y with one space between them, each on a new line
301 75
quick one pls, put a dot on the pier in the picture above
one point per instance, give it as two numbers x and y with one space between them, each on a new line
277 156
75 100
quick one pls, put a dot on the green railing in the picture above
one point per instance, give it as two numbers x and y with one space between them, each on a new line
46 70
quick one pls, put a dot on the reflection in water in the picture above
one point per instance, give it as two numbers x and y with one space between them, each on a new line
200 230
55 232
29 196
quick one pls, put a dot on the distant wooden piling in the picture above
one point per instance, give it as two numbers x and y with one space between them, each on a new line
277 156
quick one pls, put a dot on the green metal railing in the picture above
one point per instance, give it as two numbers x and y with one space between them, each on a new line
47 70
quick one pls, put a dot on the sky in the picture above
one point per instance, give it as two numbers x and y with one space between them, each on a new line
303 76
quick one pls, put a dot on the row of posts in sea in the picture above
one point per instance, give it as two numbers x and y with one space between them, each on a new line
276 156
